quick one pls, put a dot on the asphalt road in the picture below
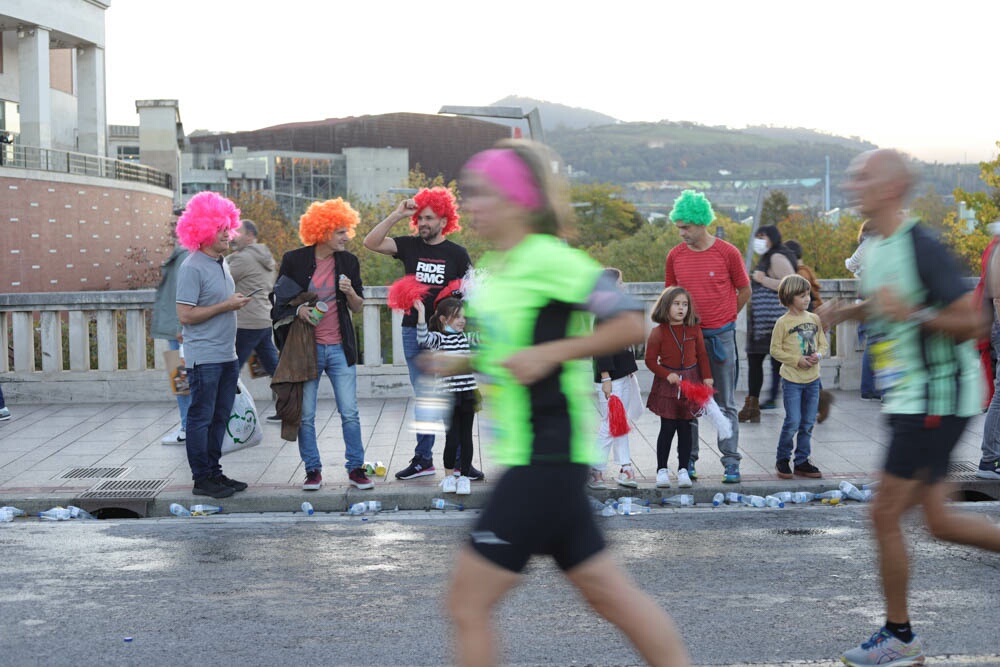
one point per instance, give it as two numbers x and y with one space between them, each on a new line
745 586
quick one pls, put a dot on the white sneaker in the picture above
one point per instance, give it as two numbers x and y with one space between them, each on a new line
683 480
464 486
4 414
626 477
663 478
596 479
176 438
449 484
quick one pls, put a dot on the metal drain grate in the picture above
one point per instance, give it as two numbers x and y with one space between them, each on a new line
125 489
963 471
86 473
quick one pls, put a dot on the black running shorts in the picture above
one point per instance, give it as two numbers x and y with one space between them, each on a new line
538 509
921 445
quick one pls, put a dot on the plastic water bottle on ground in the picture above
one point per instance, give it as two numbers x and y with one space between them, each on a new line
867 493
682 500
595 504
81 514
365 507
734 498
872 486
851 491
179 510
803 497
771 501
831 495
442 504
6 516
307 508
718 499
56 514
205 510
13 510
630 506
754 501
783 496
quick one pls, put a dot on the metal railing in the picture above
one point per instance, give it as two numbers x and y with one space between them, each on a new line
66 162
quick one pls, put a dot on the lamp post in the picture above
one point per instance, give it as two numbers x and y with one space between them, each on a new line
533 117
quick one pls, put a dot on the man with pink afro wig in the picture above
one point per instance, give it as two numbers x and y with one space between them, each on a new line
207 302
434 261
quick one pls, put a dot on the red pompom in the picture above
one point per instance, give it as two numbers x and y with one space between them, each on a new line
405 292
697 393
617 419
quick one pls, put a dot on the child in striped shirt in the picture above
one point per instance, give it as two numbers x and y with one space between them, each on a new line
446 332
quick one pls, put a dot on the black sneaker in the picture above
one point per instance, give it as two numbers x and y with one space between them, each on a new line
273 419
806 469
212 487
784 470
476 475
418 468
234 484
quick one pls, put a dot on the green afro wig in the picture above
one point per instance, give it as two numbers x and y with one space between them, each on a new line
692 207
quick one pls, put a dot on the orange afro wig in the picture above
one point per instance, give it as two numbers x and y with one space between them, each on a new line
204 216
323 218
442 202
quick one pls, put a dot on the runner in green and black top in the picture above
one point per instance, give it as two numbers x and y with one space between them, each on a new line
535 312
922 325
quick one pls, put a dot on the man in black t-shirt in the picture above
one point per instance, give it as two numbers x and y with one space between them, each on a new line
434 261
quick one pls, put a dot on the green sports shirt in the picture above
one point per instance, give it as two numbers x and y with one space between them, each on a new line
541 290
921 371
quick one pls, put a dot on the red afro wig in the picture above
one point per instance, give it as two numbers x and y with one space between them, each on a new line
323 218
204 216
442 202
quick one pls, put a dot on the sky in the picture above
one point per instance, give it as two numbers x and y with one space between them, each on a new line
886 71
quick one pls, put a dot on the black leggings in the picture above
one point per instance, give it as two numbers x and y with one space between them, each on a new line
684 430
755 364
458 440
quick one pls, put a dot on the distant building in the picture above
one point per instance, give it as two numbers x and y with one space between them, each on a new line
71 219
437 144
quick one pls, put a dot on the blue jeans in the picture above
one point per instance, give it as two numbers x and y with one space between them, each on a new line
183 400
2 404
259 341
425 441
725 374
330 360
801 406
213 390
867 373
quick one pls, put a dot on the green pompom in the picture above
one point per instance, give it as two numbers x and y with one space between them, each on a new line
692 207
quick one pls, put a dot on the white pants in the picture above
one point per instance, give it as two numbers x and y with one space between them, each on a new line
627 389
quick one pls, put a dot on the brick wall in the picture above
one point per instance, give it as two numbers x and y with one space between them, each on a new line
79 233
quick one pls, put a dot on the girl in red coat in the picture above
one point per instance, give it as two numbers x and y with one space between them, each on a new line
675 351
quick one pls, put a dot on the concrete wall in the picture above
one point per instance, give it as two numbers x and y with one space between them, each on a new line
60 232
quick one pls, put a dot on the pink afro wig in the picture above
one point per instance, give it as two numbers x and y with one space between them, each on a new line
203 217
442 202
323 218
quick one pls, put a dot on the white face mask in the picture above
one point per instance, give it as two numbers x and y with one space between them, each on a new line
760 246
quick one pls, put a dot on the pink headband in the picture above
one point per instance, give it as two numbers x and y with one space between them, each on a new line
509 174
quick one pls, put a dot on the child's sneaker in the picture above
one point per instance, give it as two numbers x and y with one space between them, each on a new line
463 486
807 469
884 648
683 481
663 478
626 477
596 480
784 470
449 484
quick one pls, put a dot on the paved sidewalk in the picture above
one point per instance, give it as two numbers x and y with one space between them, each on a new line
41 443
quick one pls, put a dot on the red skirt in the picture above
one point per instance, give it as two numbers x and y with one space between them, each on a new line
663 398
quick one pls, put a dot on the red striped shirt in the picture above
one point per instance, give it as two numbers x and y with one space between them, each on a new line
712 277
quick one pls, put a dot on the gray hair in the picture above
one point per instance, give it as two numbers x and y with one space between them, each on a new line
249 226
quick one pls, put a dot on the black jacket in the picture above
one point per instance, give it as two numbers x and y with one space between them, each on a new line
297 268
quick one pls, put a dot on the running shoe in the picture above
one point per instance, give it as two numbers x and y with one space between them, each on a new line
885 650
